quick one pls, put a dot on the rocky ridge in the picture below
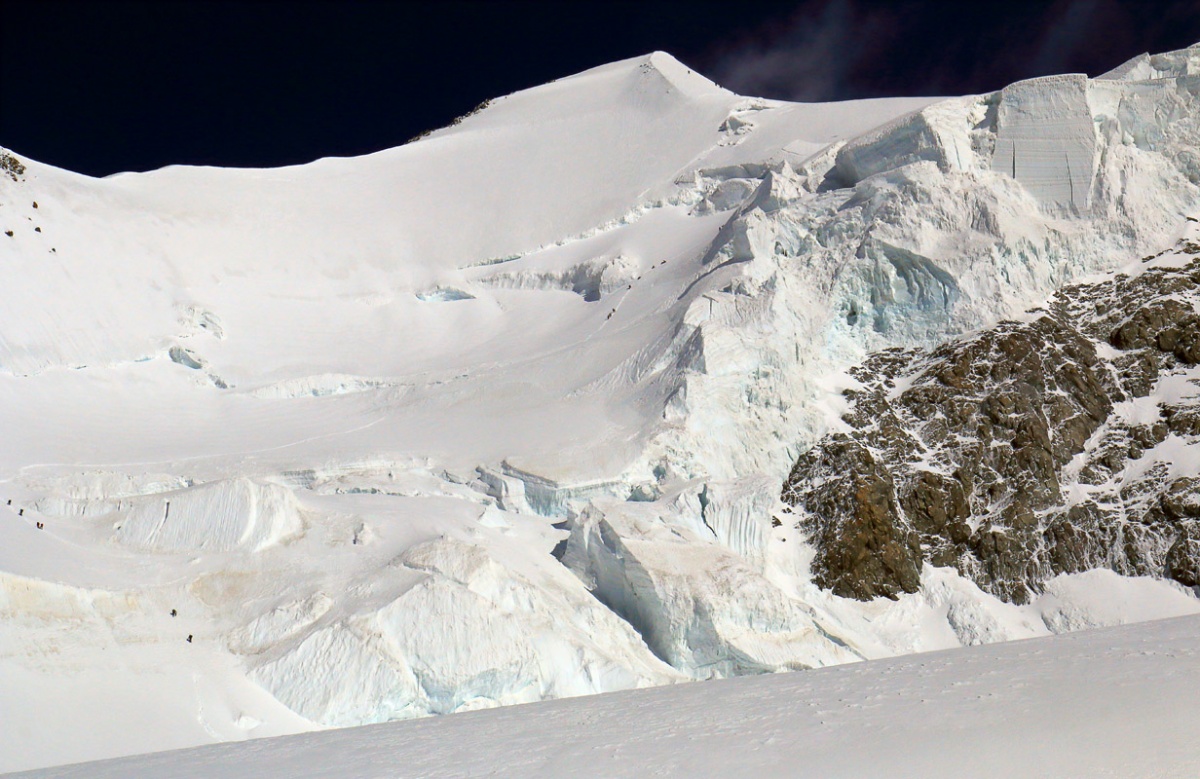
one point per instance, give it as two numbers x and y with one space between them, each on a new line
1060 443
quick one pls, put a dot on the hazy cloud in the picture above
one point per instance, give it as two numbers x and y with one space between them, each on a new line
1068 25
843 49
810 56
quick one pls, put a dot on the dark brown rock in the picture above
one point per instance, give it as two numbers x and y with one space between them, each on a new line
863 550
1183 558
1182 499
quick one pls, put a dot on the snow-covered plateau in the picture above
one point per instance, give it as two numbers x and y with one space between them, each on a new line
505 414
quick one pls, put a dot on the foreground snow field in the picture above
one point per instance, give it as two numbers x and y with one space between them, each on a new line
1116 702
504 415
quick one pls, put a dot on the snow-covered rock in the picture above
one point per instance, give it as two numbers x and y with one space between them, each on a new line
1061 443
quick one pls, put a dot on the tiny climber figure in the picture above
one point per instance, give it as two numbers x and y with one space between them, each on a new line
189 638
40 526
174 613
21 512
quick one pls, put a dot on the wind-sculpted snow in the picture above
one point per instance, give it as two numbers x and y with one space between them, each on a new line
504 414
220 517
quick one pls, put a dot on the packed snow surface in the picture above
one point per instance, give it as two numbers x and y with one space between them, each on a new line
1105 703
502 415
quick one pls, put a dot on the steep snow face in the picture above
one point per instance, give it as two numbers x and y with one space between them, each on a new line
381 223
503 414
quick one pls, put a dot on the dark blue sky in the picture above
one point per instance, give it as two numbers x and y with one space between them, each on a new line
102 87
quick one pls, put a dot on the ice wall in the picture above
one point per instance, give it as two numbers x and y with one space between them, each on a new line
1045 140
1169 64
906 140
941 133
699 606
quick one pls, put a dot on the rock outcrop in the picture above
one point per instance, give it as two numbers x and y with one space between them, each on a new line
1061 443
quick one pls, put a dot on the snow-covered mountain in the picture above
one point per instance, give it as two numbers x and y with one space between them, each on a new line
506 413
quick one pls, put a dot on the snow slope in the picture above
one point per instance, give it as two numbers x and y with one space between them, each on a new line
503 414
1106 703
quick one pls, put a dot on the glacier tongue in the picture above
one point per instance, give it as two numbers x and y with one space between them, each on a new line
504 414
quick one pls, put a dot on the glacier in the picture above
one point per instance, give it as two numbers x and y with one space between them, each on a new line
504 414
